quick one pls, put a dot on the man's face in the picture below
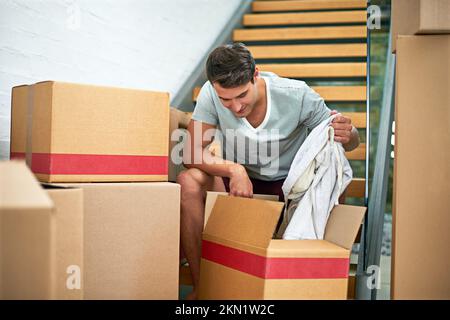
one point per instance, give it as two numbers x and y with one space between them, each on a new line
239 100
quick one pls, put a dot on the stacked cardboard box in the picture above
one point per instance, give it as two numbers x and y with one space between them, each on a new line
420 258
82 133
68 216
241 260
421 202
74 136
91 241
414 17
131 240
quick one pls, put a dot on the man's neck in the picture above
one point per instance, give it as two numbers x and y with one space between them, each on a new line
256 117
261 85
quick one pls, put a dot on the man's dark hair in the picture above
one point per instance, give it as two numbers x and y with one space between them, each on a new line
230 65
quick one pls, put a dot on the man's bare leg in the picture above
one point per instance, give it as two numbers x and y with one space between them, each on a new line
194 184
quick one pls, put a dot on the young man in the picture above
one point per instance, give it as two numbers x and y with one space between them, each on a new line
260 109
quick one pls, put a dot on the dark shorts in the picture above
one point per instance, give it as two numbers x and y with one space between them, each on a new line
262 187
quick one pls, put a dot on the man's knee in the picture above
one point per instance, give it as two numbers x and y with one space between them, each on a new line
193 180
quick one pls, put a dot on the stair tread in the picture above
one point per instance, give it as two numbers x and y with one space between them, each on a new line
264 6
309 51
306 33
316 70
265 19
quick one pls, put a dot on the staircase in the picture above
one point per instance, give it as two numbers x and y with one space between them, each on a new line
324 43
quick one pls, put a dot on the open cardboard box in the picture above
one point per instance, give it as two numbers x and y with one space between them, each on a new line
241 260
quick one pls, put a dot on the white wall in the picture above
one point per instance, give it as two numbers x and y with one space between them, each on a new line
145 44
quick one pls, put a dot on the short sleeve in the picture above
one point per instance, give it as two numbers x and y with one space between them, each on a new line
314 109
205 110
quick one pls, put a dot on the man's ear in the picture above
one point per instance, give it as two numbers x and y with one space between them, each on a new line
255 77
256 74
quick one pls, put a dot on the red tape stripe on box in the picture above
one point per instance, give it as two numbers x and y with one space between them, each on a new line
17 156
275 268
57 163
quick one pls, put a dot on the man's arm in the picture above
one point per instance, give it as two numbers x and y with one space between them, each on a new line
197 155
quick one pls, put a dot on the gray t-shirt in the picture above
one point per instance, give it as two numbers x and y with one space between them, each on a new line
293 109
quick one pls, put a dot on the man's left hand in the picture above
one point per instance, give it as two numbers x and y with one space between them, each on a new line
342 128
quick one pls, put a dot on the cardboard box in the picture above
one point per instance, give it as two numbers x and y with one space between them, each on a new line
41 238
26 230
410 17
68 216
83 133
131 240
185 276
240 260
421 202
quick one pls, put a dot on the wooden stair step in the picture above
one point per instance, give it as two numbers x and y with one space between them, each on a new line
307 33
316 70
358 119
329 93
309 51
271 19
357 154
265 6
341 93
356 188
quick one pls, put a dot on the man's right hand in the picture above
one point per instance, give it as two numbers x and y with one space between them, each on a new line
240 184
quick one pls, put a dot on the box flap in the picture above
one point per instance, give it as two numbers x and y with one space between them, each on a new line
211 197
19 188
343 225
245 220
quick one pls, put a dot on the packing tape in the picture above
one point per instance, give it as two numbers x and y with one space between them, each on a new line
276 267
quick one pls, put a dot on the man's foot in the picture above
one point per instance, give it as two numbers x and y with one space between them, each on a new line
192 295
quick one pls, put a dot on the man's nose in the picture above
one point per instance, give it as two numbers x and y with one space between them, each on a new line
235 105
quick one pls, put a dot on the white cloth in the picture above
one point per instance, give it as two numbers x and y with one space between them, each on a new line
318 175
